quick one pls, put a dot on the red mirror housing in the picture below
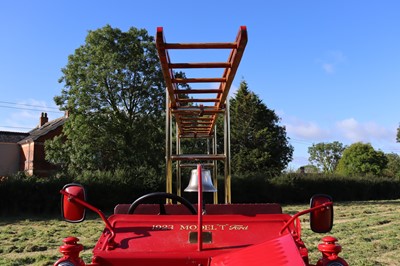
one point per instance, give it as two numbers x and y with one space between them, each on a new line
72 211
321 219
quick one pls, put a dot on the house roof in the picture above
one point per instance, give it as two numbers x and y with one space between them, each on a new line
37 132
12 137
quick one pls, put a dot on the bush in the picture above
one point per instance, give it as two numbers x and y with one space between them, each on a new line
296 187
20 195
106 189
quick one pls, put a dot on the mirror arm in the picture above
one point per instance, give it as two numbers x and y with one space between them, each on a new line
73 198
294 217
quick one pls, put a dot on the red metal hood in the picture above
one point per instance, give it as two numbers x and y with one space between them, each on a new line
280 251
234 240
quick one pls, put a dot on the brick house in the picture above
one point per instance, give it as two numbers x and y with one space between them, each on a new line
10 152
27 153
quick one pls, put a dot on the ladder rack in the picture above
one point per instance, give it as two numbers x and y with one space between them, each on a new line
196 110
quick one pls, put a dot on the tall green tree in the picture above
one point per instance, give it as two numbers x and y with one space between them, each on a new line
393 166
398 134
114 93
362 159
258 143
326 155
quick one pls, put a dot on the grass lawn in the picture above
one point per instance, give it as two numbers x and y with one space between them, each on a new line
369 233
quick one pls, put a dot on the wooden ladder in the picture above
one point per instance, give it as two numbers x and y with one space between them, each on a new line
195 110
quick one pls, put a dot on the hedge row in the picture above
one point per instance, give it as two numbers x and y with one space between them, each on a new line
42 196
295 188
31 196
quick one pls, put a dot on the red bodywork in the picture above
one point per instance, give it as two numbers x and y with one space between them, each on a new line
152 239
232 235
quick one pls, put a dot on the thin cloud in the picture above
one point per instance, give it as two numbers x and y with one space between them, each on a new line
305 130
328 68
331 61
24 114
347 130
355 131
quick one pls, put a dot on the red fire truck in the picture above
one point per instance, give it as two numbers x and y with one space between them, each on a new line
176 232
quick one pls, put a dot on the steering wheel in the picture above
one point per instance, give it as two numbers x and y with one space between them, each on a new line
161 197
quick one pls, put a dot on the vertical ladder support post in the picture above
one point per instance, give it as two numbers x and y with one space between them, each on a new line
199 208
171 152
227 148
215 166
168 144
178 163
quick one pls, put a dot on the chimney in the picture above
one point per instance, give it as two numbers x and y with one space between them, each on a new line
43 119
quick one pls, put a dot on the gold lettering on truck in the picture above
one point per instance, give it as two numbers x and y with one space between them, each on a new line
215 227
206 227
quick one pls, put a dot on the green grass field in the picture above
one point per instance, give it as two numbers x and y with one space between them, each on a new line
369 233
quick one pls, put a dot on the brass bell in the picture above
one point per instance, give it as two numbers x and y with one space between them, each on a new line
205 179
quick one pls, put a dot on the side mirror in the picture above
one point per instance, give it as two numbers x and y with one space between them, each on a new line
321 219
71 210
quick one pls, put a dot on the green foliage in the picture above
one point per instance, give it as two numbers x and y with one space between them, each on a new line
308 169
27 196
58 151
362 159
326 155
296 187
258 143
398 134
114 93
22 194
393 166
108 188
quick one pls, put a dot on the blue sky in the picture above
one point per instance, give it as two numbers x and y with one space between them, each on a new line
330 69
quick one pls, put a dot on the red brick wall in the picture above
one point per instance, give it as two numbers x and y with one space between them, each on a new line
33 156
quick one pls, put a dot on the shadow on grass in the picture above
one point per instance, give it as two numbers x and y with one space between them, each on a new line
371 202
6 220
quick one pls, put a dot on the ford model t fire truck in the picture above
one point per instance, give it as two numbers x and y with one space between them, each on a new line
176 232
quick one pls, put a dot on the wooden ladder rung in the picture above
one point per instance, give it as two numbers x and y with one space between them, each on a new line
201 65
197 100
198 129
195 91
187 118
190 157
194 165
211 45
191 135
197 80
190 111
195 123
